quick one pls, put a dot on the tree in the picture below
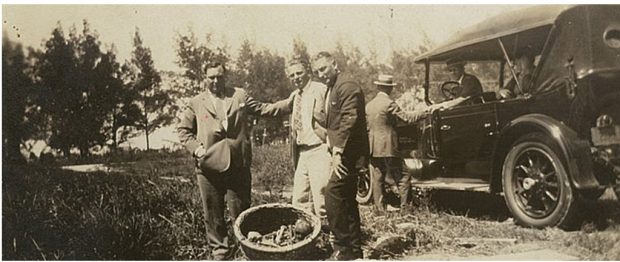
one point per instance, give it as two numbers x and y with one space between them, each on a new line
192 57
57 71
81 93
300 50
410 76
262 74
123 109
142 77
365 69
96 80
17 84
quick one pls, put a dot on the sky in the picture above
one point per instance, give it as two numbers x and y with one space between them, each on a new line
382 28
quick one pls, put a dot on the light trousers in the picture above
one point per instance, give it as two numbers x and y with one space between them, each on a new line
311 177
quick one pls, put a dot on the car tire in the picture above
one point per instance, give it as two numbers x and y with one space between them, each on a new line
364 185
536 185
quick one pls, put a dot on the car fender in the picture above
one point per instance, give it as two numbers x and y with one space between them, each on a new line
577 157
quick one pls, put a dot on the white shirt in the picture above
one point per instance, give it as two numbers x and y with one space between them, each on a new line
225 102
311 92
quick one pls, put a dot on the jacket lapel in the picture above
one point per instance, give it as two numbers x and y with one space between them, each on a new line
230 93
208 103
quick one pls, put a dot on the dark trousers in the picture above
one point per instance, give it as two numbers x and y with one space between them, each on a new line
392 168
342 212
232 189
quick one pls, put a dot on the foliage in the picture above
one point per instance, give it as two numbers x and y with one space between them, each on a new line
300 51
192 57
351 60
141 76
262 74
80 92
17 104
56 69
150 210
410 76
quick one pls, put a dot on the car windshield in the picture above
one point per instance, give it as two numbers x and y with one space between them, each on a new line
486 71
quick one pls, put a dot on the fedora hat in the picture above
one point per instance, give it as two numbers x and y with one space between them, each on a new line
455 61
385 80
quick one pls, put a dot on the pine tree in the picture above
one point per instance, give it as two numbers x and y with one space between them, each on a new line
146 81
17 84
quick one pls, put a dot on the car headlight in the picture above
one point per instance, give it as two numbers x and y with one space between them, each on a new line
604 121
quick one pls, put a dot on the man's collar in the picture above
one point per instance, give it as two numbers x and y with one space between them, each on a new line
225 93
306 87
334 79
383 93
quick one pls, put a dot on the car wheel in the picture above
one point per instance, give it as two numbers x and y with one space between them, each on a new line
364 185
535 182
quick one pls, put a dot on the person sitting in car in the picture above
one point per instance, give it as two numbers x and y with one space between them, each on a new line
469 85
523 69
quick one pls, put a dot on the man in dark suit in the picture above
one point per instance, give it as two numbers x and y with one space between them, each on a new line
347 138
469 85
382 114
215 130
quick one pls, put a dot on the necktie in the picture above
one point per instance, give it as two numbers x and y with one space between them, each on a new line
220 108
297 116
219 103
327 101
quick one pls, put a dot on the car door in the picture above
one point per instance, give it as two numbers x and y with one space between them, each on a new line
466 135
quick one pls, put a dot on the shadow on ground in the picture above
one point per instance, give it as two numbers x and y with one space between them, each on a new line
471 204
596 215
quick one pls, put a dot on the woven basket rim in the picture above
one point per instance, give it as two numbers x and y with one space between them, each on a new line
316 229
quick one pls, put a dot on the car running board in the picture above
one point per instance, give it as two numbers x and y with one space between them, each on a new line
460 184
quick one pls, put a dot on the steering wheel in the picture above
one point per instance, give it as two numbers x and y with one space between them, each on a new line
448 89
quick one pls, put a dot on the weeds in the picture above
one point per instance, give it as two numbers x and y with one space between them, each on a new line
136 214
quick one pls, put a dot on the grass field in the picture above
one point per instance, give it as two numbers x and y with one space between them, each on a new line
150 210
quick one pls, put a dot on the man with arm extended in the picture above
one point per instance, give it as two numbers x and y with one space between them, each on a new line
382 115
309 149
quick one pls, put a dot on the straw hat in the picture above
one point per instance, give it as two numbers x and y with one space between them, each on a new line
385 80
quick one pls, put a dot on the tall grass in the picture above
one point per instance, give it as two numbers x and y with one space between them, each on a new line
139 213
49 213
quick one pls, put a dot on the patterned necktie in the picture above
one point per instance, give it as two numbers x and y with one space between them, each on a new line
297 116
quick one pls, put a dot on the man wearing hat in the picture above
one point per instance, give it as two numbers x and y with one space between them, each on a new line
469 85
382 115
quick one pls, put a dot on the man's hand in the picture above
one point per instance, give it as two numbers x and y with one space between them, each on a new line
337 166
199 152
505 93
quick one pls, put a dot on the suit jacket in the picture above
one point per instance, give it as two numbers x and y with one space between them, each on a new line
318 91
382 115
470 86
346 120
226 147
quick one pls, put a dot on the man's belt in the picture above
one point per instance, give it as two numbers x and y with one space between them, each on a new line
308 147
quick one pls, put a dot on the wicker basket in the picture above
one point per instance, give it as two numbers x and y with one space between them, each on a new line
268 218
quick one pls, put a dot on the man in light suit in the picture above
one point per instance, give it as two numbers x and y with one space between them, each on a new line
347 138
215 129
382 114
309 150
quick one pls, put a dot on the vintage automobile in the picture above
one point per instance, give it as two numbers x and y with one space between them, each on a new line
545 151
